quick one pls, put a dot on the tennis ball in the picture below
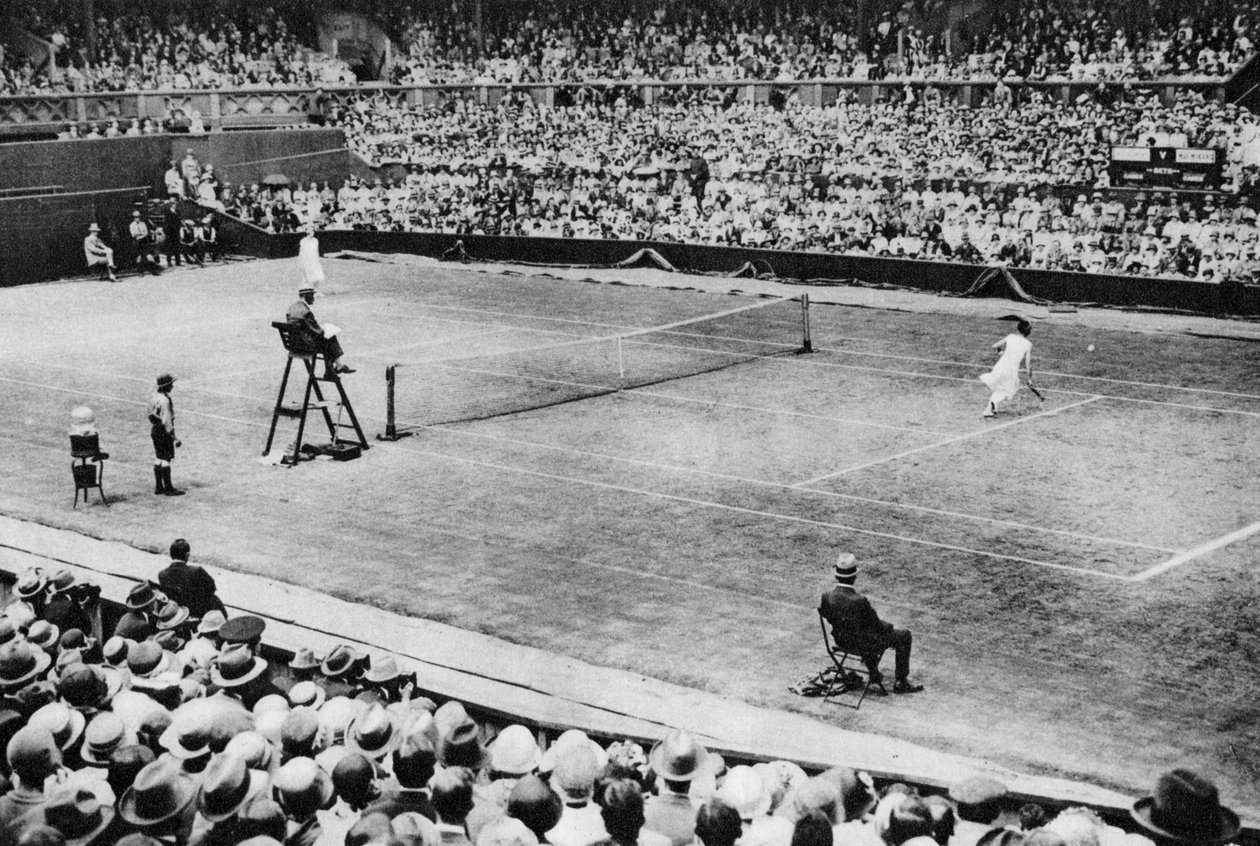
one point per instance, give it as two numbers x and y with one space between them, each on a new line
1090 348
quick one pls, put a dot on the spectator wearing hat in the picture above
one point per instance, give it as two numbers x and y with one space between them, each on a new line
162 432
99 254
1185 809
211 240
852 617
573 778
31 590
190 246
302 668
21 664
718 823
746 790
143 243
226 787
246 630
189 584
203 647
33 756
136 623
125 763
302 789
170 234
386 679
451 790
78 815
240 674
261 818
69 603
160 802
513 754
339 672
980 801
676 760
314 334
299 734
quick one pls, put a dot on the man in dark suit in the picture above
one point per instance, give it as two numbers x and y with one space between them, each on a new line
851 616
301 315
188 584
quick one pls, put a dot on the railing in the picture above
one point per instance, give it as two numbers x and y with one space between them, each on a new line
241 108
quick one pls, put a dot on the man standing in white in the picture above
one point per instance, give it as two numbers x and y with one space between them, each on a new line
308 258
1003 379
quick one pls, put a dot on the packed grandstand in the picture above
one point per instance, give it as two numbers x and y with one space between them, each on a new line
168 725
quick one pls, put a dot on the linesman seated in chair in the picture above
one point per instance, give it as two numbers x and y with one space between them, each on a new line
99 254
315 336
852 619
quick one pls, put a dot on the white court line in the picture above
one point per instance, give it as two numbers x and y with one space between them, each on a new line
781 486
741 479
402 445
1198 551
946 442
1039 371
838 351
806 362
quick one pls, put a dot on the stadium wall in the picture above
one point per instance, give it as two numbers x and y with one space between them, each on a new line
41 237
940 277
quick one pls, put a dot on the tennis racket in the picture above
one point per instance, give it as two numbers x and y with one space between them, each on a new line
1035 391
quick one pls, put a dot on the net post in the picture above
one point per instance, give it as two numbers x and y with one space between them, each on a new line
807 344
391 428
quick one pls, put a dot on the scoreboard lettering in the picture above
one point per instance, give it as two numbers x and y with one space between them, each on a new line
1165 167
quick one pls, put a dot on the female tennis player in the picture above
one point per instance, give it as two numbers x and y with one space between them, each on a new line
1003 379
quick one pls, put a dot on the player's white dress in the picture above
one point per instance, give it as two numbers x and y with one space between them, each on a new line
308 258
1003 379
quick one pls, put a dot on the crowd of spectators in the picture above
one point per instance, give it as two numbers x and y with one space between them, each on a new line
193 46
173 728
1032 39
1019 185
234 45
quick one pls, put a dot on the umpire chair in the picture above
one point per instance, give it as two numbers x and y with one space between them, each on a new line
299 347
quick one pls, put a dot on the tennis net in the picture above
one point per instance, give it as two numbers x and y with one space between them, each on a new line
494 382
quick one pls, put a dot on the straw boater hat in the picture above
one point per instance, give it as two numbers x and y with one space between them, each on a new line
846 568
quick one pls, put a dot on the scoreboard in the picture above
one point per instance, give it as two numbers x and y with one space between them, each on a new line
1191 168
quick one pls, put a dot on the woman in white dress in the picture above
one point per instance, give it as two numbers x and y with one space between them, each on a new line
308 258
1003 379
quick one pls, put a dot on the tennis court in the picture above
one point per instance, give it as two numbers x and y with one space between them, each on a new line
1079 575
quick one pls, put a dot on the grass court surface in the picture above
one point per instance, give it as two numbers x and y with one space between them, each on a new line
1079 576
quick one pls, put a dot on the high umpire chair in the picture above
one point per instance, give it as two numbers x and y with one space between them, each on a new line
851 673
86 463
298 346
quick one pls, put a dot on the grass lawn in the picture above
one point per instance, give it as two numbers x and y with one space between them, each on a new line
684 530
